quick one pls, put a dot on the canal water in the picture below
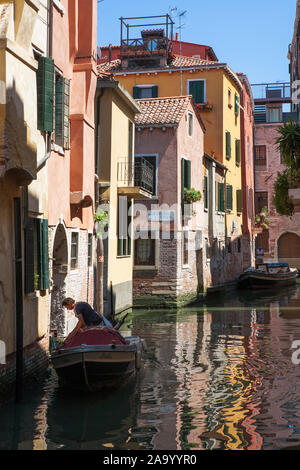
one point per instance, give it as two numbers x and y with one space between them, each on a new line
217 376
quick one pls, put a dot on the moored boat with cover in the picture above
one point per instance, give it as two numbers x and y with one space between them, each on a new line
268 275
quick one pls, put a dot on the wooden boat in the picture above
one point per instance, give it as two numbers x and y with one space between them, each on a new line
97 357
268 275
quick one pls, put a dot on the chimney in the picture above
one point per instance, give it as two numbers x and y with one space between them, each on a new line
177 36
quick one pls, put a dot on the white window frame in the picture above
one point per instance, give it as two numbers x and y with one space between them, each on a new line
190 114
157 239
72 270
156 169
196 80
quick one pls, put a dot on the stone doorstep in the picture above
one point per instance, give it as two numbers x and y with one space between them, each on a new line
164 284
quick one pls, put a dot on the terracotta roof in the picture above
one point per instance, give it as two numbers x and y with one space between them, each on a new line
158 112
115 65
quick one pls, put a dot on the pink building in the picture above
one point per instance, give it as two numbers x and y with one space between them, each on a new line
168 265
282 241
71 166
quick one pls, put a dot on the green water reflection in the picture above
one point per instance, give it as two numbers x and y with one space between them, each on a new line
215 376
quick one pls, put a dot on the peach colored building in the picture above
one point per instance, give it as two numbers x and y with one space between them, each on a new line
71 166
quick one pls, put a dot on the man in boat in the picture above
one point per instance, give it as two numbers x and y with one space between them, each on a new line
86 315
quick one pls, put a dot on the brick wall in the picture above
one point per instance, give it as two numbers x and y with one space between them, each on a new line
36 362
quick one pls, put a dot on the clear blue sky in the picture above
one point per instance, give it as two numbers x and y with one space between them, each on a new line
252 37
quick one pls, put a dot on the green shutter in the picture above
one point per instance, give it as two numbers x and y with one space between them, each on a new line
182 179
221 207
187 174
228 145
236 105
45 254
66 111
136 92
196 89
45 94
155 91
62 112
29 256
205 193
239 201
229 203
59 111
238 152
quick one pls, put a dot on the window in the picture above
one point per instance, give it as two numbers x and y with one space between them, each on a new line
45 93
238 152
229 203
124 222
229 98
236 104
185 176
145 251
274 114
130 143
145 91
74 250
62 111
220 197
152 159
196 88
228 145
205 192
190 124
36 273
261 200
260 155
239 201
185 247
90 248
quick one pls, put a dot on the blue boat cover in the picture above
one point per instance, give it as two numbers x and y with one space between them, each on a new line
277 265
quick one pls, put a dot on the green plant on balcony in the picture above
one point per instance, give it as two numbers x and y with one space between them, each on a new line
288 143
101 219
191 195
262 219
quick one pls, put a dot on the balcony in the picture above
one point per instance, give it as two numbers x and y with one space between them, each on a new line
136 179
294 195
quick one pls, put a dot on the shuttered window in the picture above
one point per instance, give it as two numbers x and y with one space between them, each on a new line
236 104
229 203
228 144
124 222
45 94
221 206
239 201
205 192
197 90
261 201
36 255
185 176
62 111
140 92
238 152
144 251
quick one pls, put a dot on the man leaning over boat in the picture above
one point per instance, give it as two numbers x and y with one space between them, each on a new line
86 315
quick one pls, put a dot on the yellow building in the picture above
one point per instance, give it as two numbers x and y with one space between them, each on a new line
216 90
119 183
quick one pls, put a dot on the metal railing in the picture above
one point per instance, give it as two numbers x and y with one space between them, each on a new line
138 173
281 90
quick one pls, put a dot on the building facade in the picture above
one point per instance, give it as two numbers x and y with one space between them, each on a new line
170 232
24 276
71 167
281 242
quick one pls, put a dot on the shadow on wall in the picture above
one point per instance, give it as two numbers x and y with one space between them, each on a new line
19 313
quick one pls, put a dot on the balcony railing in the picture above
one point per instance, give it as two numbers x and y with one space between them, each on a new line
271 92
139 174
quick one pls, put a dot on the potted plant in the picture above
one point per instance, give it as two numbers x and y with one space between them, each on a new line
191 195
262 220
